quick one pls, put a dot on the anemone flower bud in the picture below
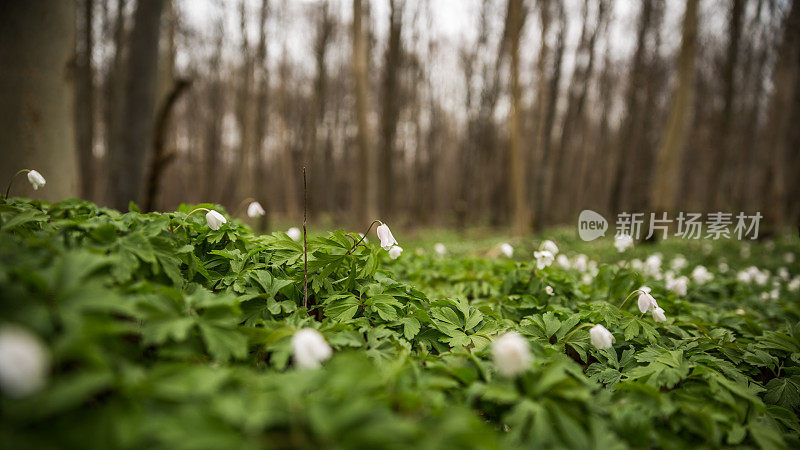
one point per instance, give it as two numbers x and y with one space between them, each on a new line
550 246
255 209
440 249
294 233
386 237
36 179
215 220
549 290
511 354
646 302
658 315
24 362
601 338
395 252
543 259
507 249
623 242
309 348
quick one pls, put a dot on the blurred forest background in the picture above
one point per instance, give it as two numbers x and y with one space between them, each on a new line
511 113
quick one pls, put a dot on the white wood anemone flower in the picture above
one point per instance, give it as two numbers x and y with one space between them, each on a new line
507 249
550 246
511 354
294 233
215 220
543 259
600 337
309 349
395 252
24 362
36 179
646 302
623 242
658 315
385 236
254 209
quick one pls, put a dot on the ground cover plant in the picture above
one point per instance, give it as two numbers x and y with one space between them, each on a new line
175 330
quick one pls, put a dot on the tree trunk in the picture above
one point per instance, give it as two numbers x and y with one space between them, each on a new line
667 171
84 99
786 79
391 107
364 200
36 111
520 225
261 73
127 166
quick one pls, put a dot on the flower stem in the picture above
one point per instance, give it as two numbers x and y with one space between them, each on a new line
187 216
569 335
8 189
364 236
629 296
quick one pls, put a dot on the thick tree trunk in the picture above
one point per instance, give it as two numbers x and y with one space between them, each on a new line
667 171
36 112
127 166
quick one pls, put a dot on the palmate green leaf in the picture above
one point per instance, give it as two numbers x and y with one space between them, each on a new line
411 327
784 392
223 343
341 307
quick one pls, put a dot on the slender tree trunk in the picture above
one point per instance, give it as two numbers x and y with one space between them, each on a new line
36 116
127 166
365 198
516 159
391 107
213 129
541 112
258 169
114 91
670 153
84 96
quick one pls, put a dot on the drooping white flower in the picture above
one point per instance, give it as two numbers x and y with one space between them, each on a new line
679 262
701 275
549 290
646 302
507 249
678 285
600 337
511 354
386 237
788 258
563 261
774 294
309 348
440 249
215 220
550 246
36 179
761 277
294 233
658 315
581 263
783 272
24 362
794 285
623 242
543 259
652 265
646 289
254 209
395 252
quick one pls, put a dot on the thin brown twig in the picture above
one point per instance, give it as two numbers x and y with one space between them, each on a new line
305 241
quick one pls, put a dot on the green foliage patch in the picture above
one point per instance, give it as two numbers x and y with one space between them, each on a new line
164 333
